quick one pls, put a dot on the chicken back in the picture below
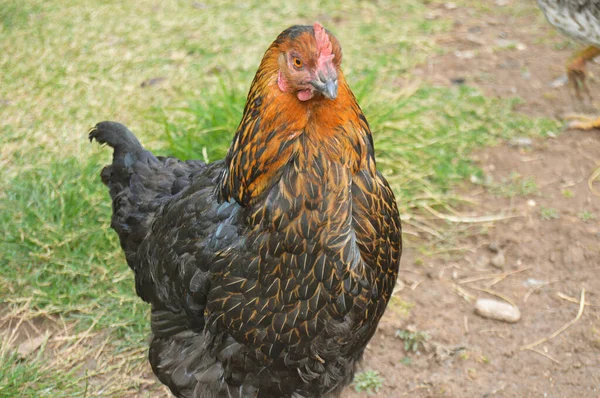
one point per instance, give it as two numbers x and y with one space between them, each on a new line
268 271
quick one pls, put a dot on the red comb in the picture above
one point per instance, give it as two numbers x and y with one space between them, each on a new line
323 44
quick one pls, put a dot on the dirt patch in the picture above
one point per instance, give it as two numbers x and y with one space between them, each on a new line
551 250
549 240
508 55
23 333
48 343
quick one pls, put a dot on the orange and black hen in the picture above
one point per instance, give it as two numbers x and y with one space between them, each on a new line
268 271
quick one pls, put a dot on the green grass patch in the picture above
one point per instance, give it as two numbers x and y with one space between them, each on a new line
567 193
59 256
406 361
549 213
15 14
203 129
32 379
58 250
369 381
586 216
413 340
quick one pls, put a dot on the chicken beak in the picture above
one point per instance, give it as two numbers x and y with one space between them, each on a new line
327 85
331 89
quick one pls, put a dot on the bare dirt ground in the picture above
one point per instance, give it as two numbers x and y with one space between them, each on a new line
550 244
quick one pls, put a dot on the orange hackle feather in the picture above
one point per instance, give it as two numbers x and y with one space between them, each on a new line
276 126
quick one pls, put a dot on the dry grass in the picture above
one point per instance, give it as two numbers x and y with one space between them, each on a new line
53 359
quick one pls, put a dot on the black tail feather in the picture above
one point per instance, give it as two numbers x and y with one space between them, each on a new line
127 148
129 179
116 136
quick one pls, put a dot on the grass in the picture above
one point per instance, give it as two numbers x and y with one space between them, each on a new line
400 307
56 254
412 339
67 66
406 361
515 185
548 213
586 216
369 381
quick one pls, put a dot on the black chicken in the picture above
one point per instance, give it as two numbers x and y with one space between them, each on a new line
268 271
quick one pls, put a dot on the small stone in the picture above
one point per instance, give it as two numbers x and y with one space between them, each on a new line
534 283
531 203
507 43
152 82
498 310
560 81
466 54
494 247
432 15
520 142
450 6
498 260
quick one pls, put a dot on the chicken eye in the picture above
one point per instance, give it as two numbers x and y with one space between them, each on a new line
297 63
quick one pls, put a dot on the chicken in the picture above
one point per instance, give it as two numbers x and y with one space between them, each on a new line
268 271
579 19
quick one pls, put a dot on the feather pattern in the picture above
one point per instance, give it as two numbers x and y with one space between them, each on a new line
579 19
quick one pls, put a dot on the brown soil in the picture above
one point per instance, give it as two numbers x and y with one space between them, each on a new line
555 252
